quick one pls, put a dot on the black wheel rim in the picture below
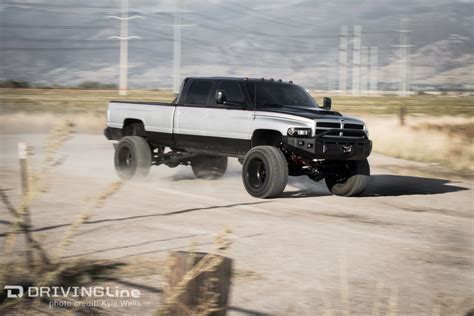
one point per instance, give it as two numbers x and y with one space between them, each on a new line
257 173
343 173
125 159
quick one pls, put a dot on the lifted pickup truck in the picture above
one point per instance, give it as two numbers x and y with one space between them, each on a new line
275 129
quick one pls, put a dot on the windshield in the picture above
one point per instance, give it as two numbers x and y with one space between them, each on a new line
271 94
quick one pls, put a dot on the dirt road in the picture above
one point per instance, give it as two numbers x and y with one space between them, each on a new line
405 247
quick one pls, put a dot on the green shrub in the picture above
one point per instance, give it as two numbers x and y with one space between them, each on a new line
11 83
96 85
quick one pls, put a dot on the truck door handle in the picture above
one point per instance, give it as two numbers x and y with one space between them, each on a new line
211 114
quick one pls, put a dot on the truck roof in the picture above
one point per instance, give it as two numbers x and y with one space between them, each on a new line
242 79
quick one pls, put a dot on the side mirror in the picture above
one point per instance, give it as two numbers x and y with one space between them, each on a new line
220 97
327 103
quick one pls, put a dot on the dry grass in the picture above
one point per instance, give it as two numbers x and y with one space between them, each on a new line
438 130
70 101
30 123
207 298
47 271
433 105
74 101
443 140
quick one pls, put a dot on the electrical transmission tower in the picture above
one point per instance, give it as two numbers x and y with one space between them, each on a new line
356 60
343 59
124 18
373 69
403 59
364 68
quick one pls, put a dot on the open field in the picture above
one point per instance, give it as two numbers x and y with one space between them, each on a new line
404 248
70 100
95 101
438 129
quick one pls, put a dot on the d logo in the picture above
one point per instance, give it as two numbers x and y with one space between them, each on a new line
14 291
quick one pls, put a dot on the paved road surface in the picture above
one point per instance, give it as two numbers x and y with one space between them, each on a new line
405 247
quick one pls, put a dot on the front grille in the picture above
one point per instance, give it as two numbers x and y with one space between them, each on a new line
325 126
353 126
328 125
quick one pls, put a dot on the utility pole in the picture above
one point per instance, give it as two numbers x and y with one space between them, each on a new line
356 60
364 68
124 18
332 73
177 45
343 59
373 70
123 86
403 59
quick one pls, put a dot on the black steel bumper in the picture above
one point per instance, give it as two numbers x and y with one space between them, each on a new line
333 145
112 133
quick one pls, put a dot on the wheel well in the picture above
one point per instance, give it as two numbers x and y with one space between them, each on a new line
266 137
130 129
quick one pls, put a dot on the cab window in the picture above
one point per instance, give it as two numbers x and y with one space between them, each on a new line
233 91
198 92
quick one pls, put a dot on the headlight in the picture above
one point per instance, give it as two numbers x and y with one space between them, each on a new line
299 132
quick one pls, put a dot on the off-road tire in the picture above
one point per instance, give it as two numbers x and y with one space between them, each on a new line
132 158
265 172
209 167
352 181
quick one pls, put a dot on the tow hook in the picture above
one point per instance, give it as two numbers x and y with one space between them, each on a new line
346 149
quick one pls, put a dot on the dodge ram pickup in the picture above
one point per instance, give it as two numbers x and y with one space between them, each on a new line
274 128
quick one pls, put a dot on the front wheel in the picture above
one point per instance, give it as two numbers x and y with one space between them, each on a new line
132 158
265 172
352 178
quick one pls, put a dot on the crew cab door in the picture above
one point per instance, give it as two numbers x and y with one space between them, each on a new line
190 128
228 127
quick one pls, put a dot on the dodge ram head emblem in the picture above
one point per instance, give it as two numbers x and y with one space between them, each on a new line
346 149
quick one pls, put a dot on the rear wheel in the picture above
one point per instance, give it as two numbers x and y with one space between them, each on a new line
209 167
352 178
132 158
265 172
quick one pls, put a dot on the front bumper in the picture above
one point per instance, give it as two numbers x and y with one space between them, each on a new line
331 145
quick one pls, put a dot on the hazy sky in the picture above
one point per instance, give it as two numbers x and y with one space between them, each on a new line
67 41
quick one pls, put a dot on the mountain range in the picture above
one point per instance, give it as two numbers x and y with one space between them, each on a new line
67 42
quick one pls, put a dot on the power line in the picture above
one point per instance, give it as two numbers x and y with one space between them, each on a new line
52 40
54 27
261 16
46 9
206 45
48 49
238 29
286 21
56 5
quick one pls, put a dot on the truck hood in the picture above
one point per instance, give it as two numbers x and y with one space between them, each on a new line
312 114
